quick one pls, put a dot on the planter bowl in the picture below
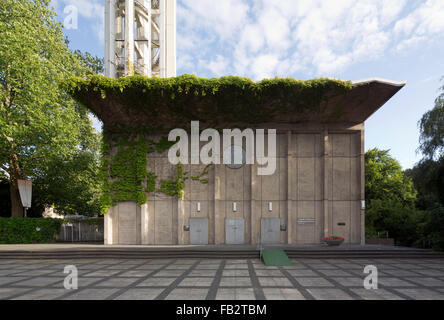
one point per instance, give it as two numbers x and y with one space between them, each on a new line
333 242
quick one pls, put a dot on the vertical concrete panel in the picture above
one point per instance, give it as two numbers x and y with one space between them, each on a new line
271 185
175 221
319 178
355 222
219 221
256 184
341 215
163 222
127 220
247 221
283 218
355 178
293 177
283 178
109 235
219 182
229 213
164 170
247 182
341 178
305 145
256 215
275 213
340 145
294 221
199 190
305 231
306 179
151 217
234 179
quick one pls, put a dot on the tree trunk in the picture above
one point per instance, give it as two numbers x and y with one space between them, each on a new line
16 203
14 175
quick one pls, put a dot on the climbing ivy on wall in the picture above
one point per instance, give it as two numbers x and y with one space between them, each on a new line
124 172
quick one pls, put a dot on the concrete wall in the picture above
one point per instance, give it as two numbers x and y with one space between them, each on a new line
315 191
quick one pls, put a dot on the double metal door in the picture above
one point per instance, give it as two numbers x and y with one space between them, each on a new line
271 230
234 231
199 231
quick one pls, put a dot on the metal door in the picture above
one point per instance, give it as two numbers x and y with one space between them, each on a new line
271 230
199 231
234 231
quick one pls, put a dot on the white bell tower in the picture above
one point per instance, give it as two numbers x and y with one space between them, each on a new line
140 38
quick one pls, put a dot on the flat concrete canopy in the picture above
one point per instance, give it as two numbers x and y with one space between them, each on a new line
128 107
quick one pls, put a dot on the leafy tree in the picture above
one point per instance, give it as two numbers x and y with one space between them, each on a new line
384 179
428 179
43 132
400 221
432 129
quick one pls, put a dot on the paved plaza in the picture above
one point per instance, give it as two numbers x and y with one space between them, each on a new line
195 279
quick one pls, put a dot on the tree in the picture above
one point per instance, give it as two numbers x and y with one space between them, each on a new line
432 129
384 179
41 127
428 179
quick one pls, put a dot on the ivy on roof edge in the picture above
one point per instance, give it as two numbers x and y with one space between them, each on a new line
190 97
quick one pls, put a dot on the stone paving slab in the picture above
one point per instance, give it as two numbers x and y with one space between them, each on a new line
240 279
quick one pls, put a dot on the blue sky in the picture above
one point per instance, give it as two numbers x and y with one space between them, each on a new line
345 39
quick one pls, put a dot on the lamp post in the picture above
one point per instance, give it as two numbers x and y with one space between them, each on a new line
25 190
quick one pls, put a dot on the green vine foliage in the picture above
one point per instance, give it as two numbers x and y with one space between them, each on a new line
124 173
160 103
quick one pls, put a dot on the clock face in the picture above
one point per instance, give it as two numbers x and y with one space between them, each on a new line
234 157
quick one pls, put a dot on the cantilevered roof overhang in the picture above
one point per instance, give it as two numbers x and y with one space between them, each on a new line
353 106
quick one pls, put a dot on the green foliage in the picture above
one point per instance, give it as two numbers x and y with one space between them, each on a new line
44 134
400 221
428 179
432 129
432 229
175 187
188 97
29 230
204 173
384 179
124 172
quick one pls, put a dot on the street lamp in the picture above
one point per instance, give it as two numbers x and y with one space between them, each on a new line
25 190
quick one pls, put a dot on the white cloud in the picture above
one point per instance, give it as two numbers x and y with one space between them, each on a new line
217 66
265 38
422 24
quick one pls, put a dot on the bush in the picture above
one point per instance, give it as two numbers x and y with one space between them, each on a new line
29 230
400 221
432 230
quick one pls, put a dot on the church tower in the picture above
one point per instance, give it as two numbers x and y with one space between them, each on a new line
140 38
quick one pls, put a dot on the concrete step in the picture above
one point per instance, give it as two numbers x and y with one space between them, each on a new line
172 253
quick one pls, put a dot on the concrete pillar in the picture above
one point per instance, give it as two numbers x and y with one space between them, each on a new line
362 180
325 202
290 173
129 37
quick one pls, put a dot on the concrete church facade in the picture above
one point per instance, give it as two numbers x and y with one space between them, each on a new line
316 190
